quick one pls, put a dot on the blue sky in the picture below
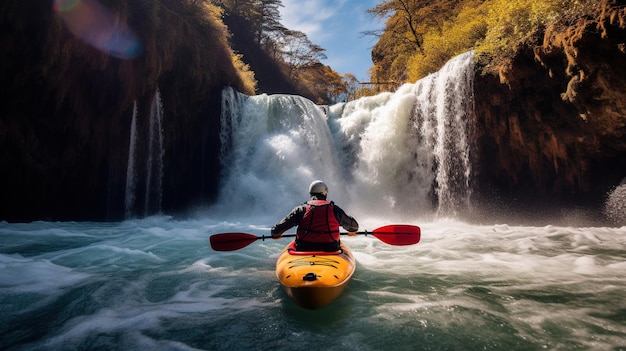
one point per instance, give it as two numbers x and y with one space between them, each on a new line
336 26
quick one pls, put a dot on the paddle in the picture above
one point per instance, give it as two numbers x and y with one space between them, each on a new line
393 234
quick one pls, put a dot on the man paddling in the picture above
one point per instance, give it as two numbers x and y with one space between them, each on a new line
318 222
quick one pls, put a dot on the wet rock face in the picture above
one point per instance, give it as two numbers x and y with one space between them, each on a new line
66 110
553 124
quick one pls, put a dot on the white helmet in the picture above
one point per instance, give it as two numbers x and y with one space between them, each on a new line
318 187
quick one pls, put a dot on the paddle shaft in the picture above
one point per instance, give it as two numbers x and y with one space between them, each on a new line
364 232
394 234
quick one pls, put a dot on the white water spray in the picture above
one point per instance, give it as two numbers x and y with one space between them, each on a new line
615 204
393 154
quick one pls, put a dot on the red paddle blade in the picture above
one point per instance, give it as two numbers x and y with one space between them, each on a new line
398 234
231 241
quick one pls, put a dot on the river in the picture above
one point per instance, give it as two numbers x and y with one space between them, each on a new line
156 284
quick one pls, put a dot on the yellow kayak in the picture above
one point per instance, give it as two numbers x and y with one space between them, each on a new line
313 279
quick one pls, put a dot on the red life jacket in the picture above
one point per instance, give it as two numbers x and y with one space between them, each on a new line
319 225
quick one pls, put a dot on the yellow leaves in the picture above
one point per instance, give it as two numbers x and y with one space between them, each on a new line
456 35
246 75
493 28
213 10
512 22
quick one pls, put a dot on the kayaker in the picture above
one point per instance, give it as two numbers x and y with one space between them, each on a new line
318 222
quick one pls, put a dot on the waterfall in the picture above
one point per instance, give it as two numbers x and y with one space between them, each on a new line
154 174
408 151
230 115
401 154
129 198
272 147
152 152
443 112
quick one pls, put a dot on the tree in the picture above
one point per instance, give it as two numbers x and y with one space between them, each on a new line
270 19
351 84
402 18
406 26
299 53
298 58
261 16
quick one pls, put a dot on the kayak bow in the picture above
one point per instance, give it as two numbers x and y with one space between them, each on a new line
314 279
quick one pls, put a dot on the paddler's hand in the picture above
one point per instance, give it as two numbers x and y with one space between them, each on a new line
275 235
351 233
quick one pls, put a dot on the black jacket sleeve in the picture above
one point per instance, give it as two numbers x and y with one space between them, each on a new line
291 220
348 223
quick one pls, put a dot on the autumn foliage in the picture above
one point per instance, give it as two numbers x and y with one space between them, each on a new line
419 36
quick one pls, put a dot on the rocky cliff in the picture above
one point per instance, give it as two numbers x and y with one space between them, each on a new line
551 124
68 91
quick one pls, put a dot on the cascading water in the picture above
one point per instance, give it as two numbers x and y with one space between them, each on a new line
273 146
131 176
153 172
409 149
154 176
444 110
403 154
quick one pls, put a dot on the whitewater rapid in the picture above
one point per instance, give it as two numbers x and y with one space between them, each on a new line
156 284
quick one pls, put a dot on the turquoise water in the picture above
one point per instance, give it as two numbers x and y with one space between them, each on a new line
156 284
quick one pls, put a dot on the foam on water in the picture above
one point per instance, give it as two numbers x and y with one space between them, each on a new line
156 283
26 275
